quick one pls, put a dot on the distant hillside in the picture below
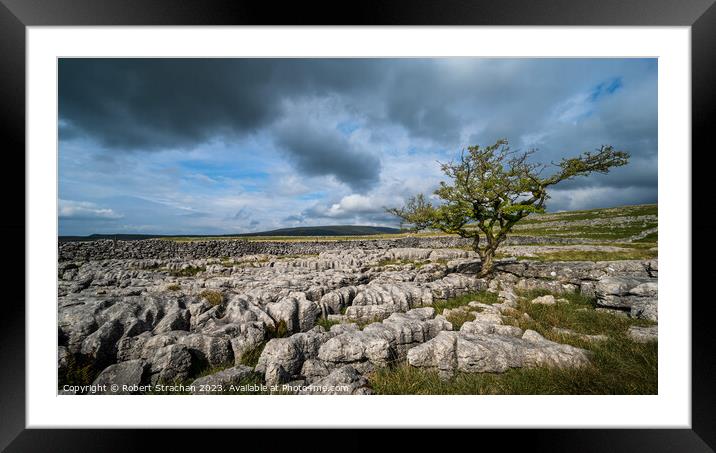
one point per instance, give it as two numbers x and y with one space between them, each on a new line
330 230
624 223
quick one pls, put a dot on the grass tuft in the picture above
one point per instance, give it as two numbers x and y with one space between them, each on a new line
80 370
188 271
213 297
251 357
485 297
327 323
459 317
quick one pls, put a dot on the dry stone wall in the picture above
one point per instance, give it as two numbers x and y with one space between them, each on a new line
166 249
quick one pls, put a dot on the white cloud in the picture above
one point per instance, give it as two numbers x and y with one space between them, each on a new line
70 209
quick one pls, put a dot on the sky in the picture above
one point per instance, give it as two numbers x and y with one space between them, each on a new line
221 146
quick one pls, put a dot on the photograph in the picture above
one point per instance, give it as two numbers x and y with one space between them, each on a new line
357 226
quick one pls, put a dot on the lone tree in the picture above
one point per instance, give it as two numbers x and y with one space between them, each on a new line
493 188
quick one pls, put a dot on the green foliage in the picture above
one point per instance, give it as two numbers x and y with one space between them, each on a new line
492 188
211 296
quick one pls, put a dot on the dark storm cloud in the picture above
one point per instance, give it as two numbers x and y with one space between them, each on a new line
156 104
151 104
319 151
161 103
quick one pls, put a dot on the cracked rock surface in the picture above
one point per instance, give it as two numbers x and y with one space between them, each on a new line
164 319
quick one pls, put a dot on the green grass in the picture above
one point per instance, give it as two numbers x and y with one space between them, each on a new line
578 315
459 317
280 330
580 255
589 214
597 232
254 378
619 365
327 323
618 368
213 297
188 272
651 237
79 371
530 226
481 296
251 357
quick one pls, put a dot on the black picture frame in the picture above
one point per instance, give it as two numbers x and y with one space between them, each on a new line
16 15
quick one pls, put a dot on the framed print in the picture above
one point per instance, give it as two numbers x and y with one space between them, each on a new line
417 220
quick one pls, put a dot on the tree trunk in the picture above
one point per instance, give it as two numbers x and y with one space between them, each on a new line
487 258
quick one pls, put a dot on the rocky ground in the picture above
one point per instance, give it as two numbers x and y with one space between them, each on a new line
328 323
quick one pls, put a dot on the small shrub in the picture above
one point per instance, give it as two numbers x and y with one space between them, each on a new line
213 297
188 271
174 287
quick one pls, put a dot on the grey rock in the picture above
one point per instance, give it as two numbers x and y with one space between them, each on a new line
335 301
101 345
213 350
177 319
223 379
247 338
343 381
544 300
638 295
170 364
63 355
582 336
128 376
299 313
374 302
283 358
478 353
643 334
